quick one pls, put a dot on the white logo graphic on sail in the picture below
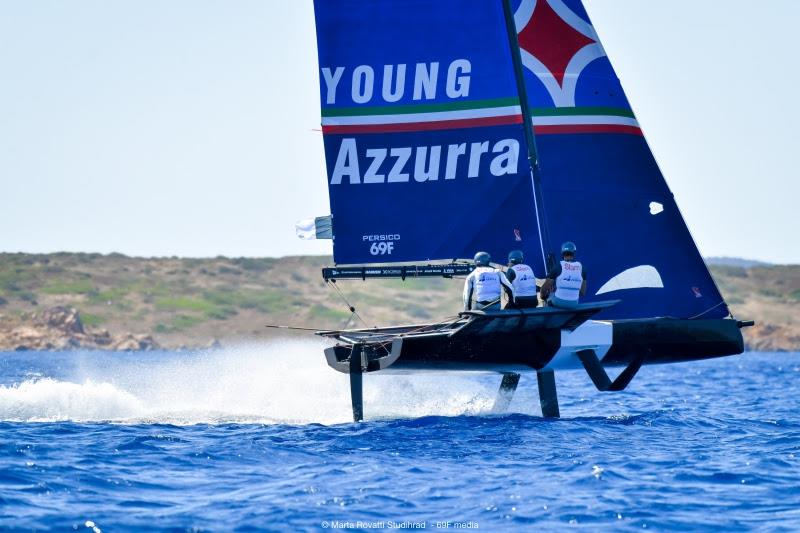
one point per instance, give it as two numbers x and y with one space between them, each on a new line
538 21
639 277
656 208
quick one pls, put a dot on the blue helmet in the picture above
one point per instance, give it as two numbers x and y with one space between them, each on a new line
515 257
569 248
482 259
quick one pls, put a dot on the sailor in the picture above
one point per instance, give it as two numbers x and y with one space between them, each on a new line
522 279
485 284
565 282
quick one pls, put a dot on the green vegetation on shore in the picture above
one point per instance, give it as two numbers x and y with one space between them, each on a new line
193 301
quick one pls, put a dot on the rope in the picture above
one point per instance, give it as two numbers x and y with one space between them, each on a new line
347 324
707 310
276 326
347 303
448 321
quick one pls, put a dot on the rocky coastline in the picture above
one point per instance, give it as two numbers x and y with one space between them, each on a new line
73 301
61 328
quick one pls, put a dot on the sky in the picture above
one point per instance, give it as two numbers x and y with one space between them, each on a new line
191 127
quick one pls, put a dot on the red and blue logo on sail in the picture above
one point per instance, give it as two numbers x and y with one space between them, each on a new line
571 85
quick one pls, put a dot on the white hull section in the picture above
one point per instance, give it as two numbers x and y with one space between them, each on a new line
594 335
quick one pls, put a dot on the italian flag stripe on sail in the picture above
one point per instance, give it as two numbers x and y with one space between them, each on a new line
562 120
475 114
424 117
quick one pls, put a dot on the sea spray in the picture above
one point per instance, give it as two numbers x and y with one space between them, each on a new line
46 400
283 381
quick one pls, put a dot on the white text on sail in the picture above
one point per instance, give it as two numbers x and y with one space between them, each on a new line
392 165
393 83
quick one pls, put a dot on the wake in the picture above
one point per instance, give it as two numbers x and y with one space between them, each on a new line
282 382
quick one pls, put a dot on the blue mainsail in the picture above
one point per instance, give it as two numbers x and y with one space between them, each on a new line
423 131
426 154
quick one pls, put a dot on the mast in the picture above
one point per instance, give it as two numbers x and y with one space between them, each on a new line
530 139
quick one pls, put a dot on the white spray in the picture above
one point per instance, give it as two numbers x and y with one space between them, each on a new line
284 381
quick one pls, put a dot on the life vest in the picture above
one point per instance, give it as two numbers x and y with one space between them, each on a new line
486 282
524 281
569 282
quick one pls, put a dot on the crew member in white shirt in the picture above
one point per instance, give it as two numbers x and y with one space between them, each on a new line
566 282
485 284
522 279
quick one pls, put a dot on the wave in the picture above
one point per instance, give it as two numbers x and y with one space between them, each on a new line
48 399
283 382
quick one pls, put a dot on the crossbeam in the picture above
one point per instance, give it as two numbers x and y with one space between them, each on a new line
401 272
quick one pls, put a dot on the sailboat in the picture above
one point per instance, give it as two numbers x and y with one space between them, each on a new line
453 126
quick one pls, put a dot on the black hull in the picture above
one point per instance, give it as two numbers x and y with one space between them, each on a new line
667 340
656 341
539 340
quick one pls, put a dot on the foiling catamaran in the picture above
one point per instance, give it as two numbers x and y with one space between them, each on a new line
452 126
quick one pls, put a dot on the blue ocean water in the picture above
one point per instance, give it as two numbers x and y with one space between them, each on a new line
258 438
